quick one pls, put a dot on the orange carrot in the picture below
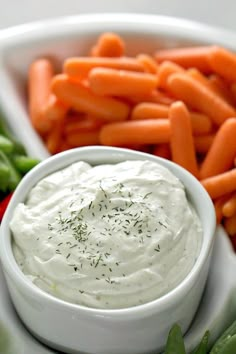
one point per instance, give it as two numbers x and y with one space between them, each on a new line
149 64
80 67
40 74
75 123
223 62
229 207
64 146
202 143
201 124
80 98
198 96
230 225
233 91
220 156
162 150
213 83
149 131
54 109
79 138
218 204
221 184
147 110
109 45
167 68
114 82
233 241
156 96
54 138
219 86
181 138
138 147
197 75
187 57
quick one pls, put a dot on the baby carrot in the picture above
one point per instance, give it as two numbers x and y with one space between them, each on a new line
233 241
219 85
156 96
147 110
75 95
218 204
229 207
149 131
64 146
213 83
181 138
198 96
202 143
187 57
201 124
167 68
81 66
197 75
233 91
54 137
223 62
230 225
113 82
54 109
39 80
162 150
149 64
109 45
79 138
220 156
221 184
84 124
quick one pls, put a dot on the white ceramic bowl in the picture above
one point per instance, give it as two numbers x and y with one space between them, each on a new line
78 329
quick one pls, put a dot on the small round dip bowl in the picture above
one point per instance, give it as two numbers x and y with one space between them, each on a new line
78 329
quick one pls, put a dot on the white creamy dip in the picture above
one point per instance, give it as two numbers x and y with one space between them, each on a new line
110 236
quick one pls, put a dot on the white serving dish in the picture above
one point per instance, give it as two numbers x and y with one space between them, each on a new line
63 37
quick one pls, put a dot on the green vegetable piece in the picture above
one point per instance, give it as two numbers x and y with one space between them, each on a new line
4 130
6 145
227 334
4 175
14 177
19 148
202 347
24 163
229 346
175 341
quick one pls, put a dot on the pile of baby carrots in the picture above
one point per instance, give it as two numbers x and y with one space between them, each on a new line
177 103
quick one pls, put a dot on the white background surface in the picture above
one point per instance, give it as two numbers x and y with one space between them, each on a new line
220 13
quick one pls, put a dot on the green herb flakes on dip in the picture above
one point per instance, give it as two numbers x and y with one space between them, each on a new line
109 236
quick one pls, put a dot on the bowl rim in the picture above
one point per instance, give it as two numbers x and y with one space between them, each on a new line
63 26
65 158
